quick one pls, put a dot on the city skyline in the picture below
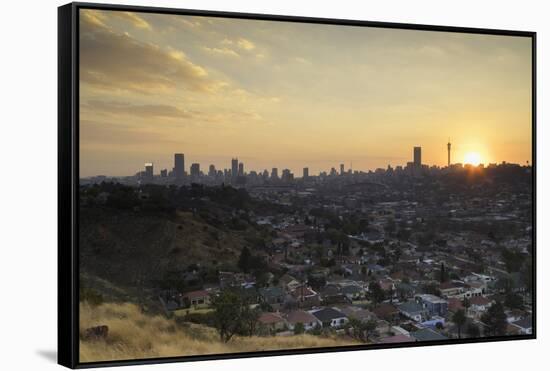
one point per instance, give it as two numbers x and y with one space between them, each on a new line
294 95
178 171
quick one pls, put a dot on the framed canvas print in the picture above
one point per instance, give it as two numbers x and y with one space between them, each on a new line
242 185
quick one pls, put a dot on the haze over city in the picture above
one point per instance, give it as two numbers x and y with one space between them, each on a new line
289 95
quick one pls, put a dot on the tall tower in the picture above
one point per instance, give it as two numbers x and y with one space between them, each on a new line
449 152
179 165
417 158
234 167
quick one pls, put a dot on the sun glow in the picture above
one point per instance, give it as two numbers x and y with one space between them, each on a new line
472 158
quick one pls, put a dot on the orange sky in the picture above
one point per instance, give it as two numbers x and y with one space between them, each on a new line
290 95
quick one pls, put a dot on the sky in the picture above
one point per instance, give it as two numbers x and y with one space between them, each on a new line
294 95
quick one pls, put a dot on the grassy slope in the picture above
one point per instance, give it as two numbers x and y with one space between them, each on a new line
134 335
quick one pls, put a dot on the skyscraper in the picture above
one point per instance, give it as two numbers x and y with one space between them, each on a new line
449 152
149 170
417 157
179 165
195 170
341 169
241 169
305 174
274 173
287 176
234 167
212 171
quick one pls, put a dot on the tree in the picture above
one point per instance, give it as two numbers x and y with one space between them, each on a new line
376 293
442 273
513 260
249 319
459 319
299 328
473 330
495 320
362 331
513 301
370 328
232 315
244 260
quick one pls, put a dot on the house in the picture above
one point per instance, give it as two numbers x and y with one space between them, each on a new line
454 305
451 288
305 296
524 325
427 334
352 292
478 306
386 284
305 318
330 317
387 312
413 310
272 295
197 299
434 322
405 290
435 305
357 313
271 323
288 282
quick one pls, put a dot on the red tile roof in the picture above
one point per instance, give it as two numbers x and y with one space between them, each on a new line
269 318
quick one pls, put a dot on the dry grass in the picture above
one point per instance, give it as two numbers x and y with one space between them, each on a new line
134 335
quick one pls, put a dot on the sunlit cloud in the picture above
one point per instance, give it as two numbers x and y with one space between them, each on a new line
117 61
139 110
133 18
221 51
245 44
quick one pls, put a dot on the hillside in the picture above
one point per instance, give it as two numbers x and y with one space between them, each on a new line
131 335
137 248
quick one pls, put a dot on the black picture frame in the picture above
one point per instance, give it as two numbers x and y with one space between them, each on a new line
68 179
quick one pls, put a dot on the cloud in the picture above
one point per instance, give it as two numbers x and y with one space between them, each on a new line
242 43
221 51
129 109
115 61
245 44
302 60
133 18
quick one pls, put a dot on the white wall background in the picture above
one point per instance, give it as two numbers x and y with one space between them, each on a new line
28 181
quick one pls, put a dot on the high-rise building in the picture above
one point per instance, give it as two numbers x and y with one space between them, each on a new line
234 167
449 152
164 173
195 170
417 161
287 176
179 165
212 171
241 169
274 173
149 170
305 173
341 169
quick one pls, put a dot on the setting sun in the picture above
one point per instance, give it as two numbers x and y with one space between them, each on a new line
472 158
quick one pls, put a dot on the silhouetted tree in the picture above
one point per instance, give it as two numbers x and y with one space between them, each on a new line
244 260
459 319
495 320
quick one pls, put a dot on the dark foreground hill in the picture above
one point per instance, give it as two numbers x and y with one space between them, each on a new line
136 241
